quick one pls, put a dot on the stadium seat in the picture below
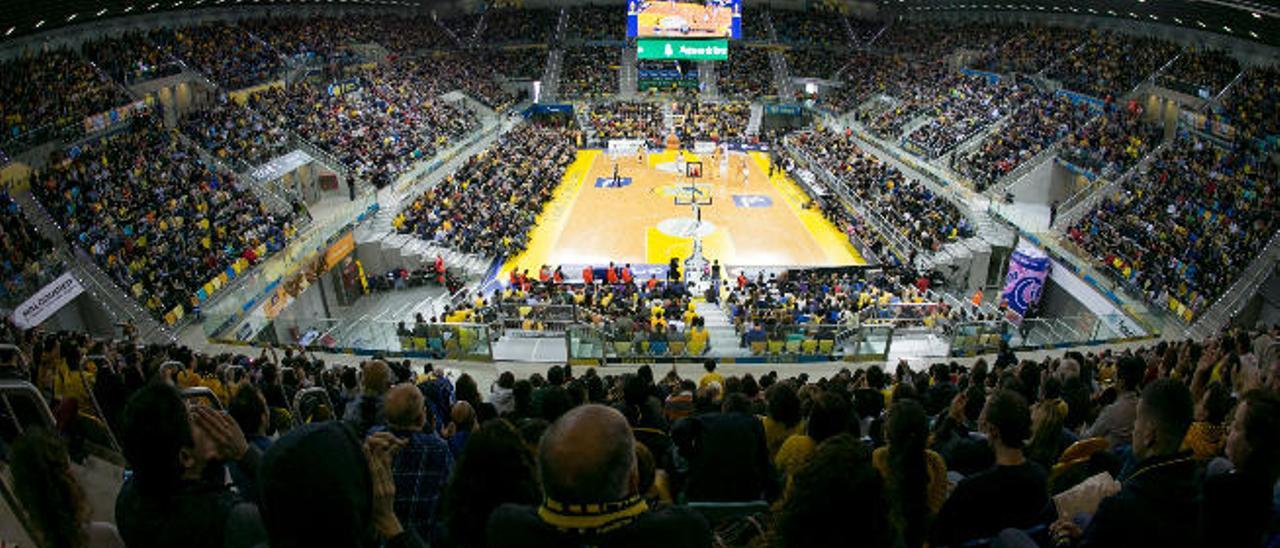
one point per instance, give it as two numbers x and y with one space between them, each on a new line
775 348
793 347
809 347
676 348
658 348
757 347
825 346
622 348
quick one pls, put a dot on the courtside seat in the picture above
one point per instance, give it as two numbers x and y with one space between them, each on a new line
793 346
809 347
420 344
676 348
825 346
775 348
757 348
622 348
658 348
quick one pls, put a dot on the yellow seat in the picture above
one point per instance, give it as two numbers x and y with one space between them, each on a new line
809 347
757 347
775 347
419 343
623 348
826 345
793 346
675 348
643 348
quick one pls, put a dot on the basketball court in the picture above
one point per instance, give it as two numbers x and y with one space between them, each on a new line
645 216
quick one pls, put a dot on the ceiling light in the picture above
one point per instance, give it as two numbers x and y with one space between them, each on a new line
1179 21
128 9
10 31
1201 23
1226 28
72 17
102 11
1253 34
40 24
1257 15
153 6
1153 16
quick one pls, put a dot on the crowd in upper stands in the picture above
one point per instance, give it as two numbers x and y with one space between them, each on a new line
1188 227
720 122
747 73
1169 444
227 54
922 217
506 25
1251 105
1111 143
54 88
1207 69
1041 121
132 56
489 205
157 219
814 62
619 120
28 260
1111 64
1028 49
810 27
236 134
597 23
967 108
589 72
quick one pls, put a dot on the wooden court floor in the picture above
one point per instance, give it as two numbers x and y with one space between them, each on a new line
760 222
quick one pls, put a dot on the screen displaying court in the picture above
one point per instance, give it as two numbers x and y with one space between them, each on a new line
709 19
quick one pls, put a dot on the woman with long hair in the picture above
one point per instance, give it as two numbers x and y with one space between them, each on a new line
55 503
495 468
915 477
1048 436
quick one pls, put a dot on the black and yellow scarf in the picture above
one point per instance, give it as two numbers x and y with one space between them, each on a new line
593 518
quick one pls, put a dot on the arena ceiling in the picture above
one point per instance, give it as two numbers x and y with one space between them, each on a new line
1257 20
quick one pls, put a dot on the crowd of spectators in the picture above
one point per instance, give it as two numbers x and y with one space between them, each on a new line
227 54
489 205
442 72
929 41
1111 143
1188 227
509 25
527 64
1251 104
1041 120
590 72
864 74
154 217
27 254
810 27
625 120
932 86
597 23
132 56
393 120
52 88
925 219
236 134
1028 49
746 74
1109 65
719 122
969 105
814 62
1173 444
1202 69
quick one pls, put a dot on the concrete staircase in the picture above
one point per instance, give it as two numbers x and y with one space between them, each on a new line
551 76
707 80
757 118
628 74
781 76
724 339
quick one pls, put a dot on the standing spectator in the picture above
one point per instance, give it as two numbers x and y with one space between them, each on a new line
421 467
365 411
587 463
1117 421
495 469
915 477
1010 494
52 498
177 494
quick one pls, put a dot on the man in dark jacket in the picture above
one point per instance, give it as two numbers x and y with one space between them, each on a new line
587 463
728 458
1158 504
177 495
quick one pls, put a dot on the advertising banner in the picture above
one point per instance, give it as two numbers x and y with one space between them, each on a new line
691 50
1024 283
47 301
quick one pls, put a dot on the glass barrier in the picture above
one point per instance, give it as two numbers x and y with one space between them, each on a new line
974 338
870 343
232 303
536 317
586 344
454 341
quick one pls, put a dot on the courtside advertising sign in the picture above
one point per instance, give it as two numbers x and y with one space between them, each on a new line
47 301
690 50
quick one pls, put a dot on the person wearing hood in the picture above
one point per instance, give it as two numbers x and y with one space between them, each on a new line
320 487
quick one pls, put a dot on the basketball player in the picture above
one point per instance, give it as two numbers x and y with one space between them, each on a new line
746 174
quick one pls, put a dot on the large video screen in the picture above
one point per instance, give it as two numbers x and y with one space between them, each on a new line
669 19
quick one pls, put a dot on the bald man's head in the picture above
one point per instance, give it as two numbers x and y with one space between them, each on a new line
588 455
377 378
404 408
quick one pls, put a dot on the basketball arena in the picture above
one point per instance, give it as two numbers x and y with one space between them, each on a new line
639 272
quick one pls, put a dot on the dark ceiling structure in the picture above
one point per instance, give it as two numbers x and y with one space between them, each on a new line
1255 20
